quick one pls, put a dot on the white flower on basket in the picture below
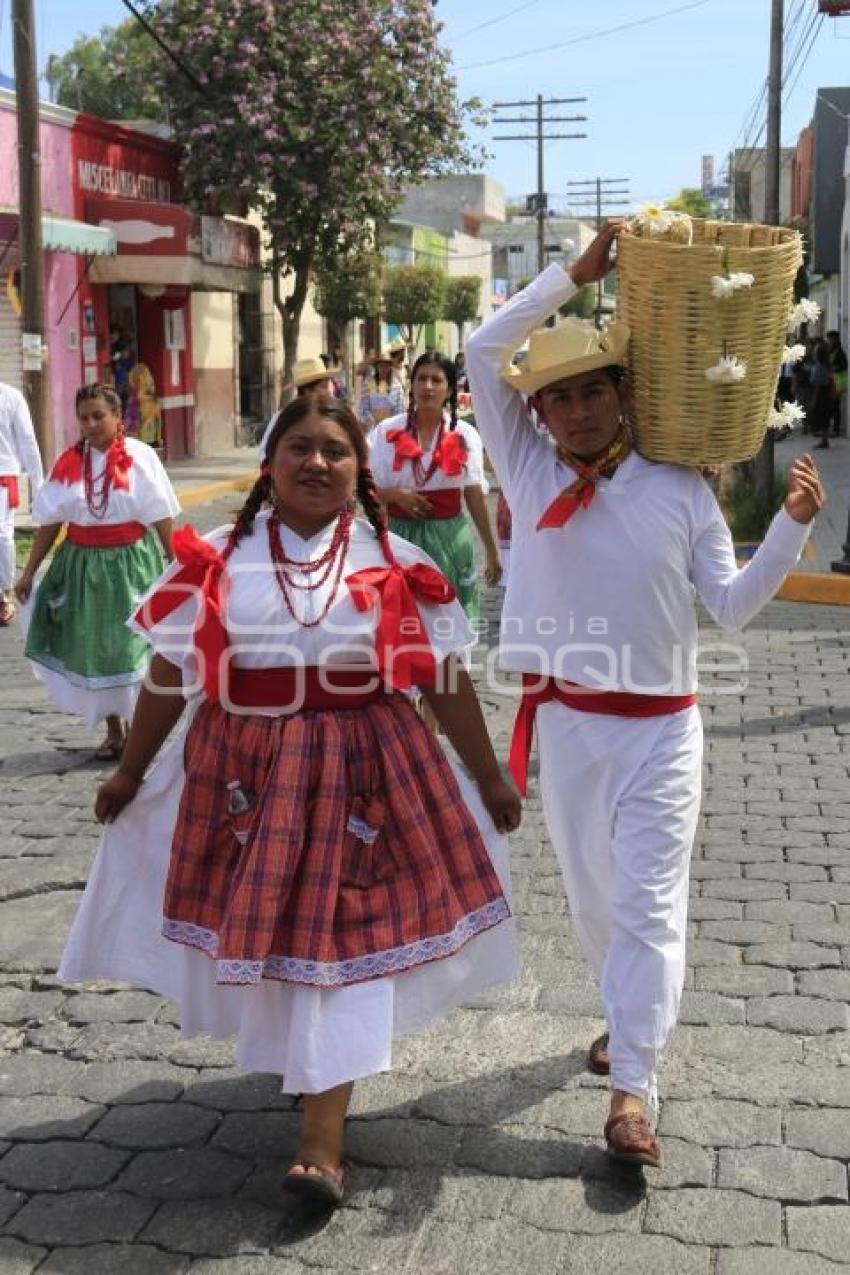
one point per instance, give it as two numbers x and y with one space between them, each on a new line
793 353
655 217
804 311
786 416
727 371
725 285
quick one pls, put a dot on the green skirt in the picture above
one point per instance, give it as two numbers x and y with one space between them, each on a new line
449 542
78 624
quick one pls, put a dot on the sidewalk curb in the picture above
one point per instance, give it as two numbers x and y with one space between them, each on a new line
189 497
816 586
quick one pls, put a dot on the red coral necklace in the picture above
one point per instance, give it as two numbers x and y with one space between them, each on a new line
329 564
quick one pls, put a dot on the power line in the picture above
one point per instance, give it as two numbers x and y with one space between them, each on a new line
580 39
181 66
492 22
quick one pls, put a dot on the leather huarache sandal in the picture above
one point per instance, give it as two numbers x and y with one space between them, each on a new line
630 1139
7 611
597 1056
316 1183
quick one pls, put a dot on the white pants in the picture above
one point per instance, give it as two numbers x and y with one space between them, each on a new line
7 542
621 800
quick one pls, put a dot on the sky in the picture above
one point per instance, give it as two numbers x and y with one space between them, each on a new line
678 80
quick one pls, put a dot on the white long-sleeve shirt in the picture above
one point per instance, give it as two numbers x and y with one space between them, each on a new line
18 447
608 600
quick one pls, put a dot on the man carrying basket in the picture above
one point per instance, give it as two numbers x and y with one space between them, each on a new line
609 553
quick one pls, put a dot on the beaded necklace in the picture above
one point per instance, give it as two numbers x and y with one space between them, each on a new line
96 489
329 564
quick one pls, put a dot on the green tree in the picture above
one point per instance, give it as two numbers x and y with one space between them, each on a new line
692 201
316 113
582 303
462 302
115 74
413 296
349 289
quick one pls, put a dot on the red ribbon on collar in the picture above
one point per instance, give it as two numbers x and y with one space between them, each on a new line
201 569
406 447
405 656
452 454
68 467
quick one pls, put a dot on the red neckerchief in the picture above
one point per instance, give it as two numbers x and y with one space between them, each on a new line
68 467
581 492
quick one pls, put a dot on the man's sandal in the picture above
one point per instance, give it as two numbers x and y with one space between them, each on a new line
630 1140
316 1183
597 1056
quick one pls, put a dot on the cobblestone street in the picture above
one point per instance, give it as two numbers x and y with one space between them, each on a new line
124 1151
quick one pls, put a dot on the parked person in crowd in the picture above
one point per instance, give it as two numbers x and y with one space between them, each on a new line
398 353
460 373
838 363
309 378
111 493
340 382
613 550
18 454
382 393
821 399
303 868
427 464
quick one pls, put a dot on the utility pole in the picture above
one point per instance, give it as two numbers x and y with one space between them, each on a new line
764 462
603 193
539 120
29 185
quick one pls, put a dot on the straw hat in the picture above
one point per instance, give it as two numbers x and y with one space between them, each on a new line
306 371
397 346
573 346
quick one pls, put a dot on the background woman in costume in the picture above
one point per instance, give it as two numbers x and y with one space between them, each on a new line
319 879
110 491
382 394
423 464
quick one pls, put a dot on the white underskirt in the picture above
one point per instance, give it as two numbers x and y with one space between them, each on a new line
314 1038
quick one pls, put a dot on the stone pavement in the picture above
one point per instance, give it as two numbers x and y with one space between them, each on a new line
124 1151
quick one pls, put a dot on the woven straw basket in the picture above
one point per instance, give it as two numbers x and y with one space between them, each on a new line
678 329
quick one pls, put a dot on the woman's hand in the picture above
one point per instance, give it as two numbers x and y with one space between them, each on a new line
113 795
413 504
492 571
805 495
502 803
595 262
23 586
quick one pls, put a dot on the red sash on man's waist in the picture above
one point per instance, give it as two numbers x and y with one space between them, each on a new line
309 686
444 502
10 482
111 536
538 689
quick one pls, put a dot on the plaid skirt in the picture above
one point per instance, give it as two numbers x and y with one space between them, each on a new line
356 858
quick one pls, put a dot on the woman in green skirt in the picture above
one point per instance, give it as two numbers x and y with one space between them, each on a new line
427 466
110 493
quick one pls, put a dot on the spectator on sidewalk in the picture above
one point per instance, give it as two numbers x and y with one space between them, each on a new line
821 400
18 454
382 392
838 363
111 493
304 868
309 378
609 553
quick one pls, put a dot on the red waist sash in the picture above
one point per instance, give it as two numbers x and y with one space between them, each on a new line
10 482
111 536
305 687
538 689
445 503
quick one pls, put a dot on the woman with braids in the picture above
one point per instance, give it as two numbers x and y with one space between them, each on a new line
111 493
425 465
303 868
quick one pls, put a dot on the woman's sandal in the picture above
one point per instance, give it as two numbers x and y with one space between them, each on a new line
109 751
316 1183
8 611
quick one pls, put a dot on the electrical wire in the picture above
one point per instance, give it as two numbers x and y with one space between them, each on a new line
591 35
492 22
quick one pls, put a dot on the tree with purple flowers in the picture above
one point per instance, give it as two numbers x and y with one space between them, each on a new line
314 112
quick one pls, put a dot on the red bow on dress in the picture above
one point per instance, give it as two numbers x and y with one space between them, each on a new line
200 570
452 454
69 466
581 492
406 447
405 657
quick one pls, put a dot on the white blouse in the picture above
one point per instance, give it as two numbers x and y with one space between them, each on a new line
262 632
149 498
382 455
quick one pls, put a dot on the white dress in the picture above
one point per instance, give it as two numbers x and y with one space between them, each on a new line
315 1038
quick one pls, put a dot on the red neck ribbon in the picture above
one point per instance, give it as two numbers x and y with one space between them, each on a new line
68 467
581 492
